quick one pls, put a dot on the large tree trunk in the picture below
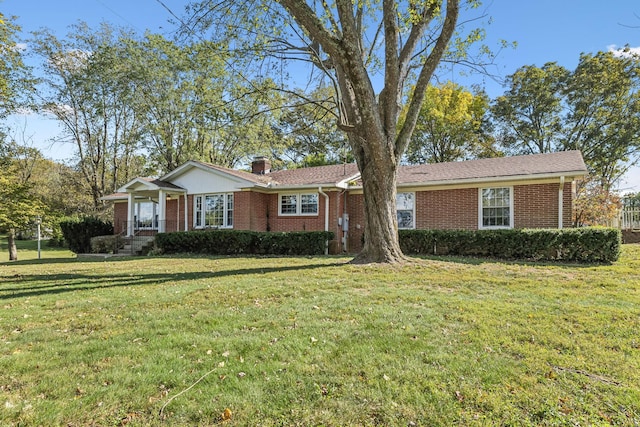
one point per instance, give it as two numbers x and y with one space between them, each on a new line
381 222
13 251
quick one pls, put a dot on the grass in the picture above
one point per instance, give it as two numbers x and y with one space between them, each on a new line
316 342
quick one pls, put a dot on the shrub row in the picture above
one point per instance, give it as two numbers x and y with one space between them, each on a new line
78 232
235 242
106 244
587 245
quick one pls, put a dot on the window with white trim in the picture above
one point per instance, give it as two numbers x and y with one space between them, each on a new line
213 210
146 215
496 207
298 204
405 210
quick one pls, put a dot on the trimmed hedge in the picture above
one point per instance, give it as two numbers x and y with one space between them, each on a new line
235 242
586 245
78 232
106 244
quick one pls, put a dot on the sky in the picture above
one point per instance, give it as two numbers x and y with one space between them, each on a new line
544 30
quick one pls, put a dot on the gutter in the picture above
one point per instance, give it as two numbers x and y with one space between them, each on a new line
326 217
561 202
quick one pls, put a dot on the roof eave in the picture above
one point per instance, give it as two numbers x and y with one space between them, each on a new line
490 179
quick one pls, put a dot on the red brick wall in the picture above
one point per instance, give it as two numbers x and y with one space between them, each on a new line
250 211
119 217
355 208
447 209
536 206
279 222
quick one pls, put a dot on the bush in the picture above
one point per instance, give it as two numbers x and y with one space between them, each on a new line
234 242
106 244
588 245
78 232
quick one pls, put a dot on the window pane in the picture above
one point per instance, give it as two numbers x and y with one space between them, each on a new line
214 210
198 211
288 204
229 210
404 201
405 219
146 214
496 207
309 204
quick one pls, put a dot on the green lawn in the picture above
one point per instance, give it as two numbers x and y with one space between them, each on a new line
317 342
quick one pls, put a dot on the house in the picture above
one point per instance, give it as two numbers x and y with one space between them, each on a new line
533 191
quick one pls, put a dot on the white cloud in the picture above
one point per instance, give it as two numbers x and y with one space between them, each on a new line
625 52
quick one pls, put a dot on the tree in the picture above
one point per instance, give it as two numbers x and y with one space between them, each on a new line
594 204
310 135
352 44
87 89
18 207
594 109
16 81
529 114
603 117
452 126
191 108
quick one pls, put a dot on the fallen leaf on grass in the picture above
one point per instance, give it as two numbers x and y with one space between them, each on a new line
227 414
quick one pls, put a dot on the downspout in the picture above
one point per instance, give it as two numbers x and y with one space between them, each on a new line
560 202
186 211
326 217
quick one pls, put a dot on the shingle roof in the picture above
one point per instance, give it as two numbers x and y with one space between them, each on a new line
564 162
162 184
332 174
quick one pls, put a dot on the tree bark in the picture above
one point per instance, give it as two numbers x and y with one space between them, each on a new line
381 222
13 251
369 120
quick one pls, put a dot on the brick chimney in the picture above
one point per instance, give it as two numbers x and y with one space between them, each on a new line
261 165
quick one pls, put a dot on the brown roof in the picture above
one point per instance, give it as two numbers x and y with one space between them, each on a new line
564 162
162 184
560 163
318 175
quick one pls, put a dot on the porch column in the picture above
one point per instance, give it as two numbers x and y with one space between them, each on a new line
131 206
561 203
162 211
186 211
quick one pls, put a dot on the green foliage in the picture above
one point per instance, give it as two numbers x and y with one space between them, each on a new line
18 207
87 86
16 81
452 126
529 113
78 232
106 244
603 121
293 243
235 242
594 109
586 245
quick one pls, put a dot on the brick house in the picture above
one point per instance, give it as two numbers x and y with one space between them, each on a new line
534 191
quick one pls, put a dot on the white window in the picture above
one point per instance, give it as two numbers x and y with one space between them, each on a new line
299 204
405 210
213 211
146 216
496 207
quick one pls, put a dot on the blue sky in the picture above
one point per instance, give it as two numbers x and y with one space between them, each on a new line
545 31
